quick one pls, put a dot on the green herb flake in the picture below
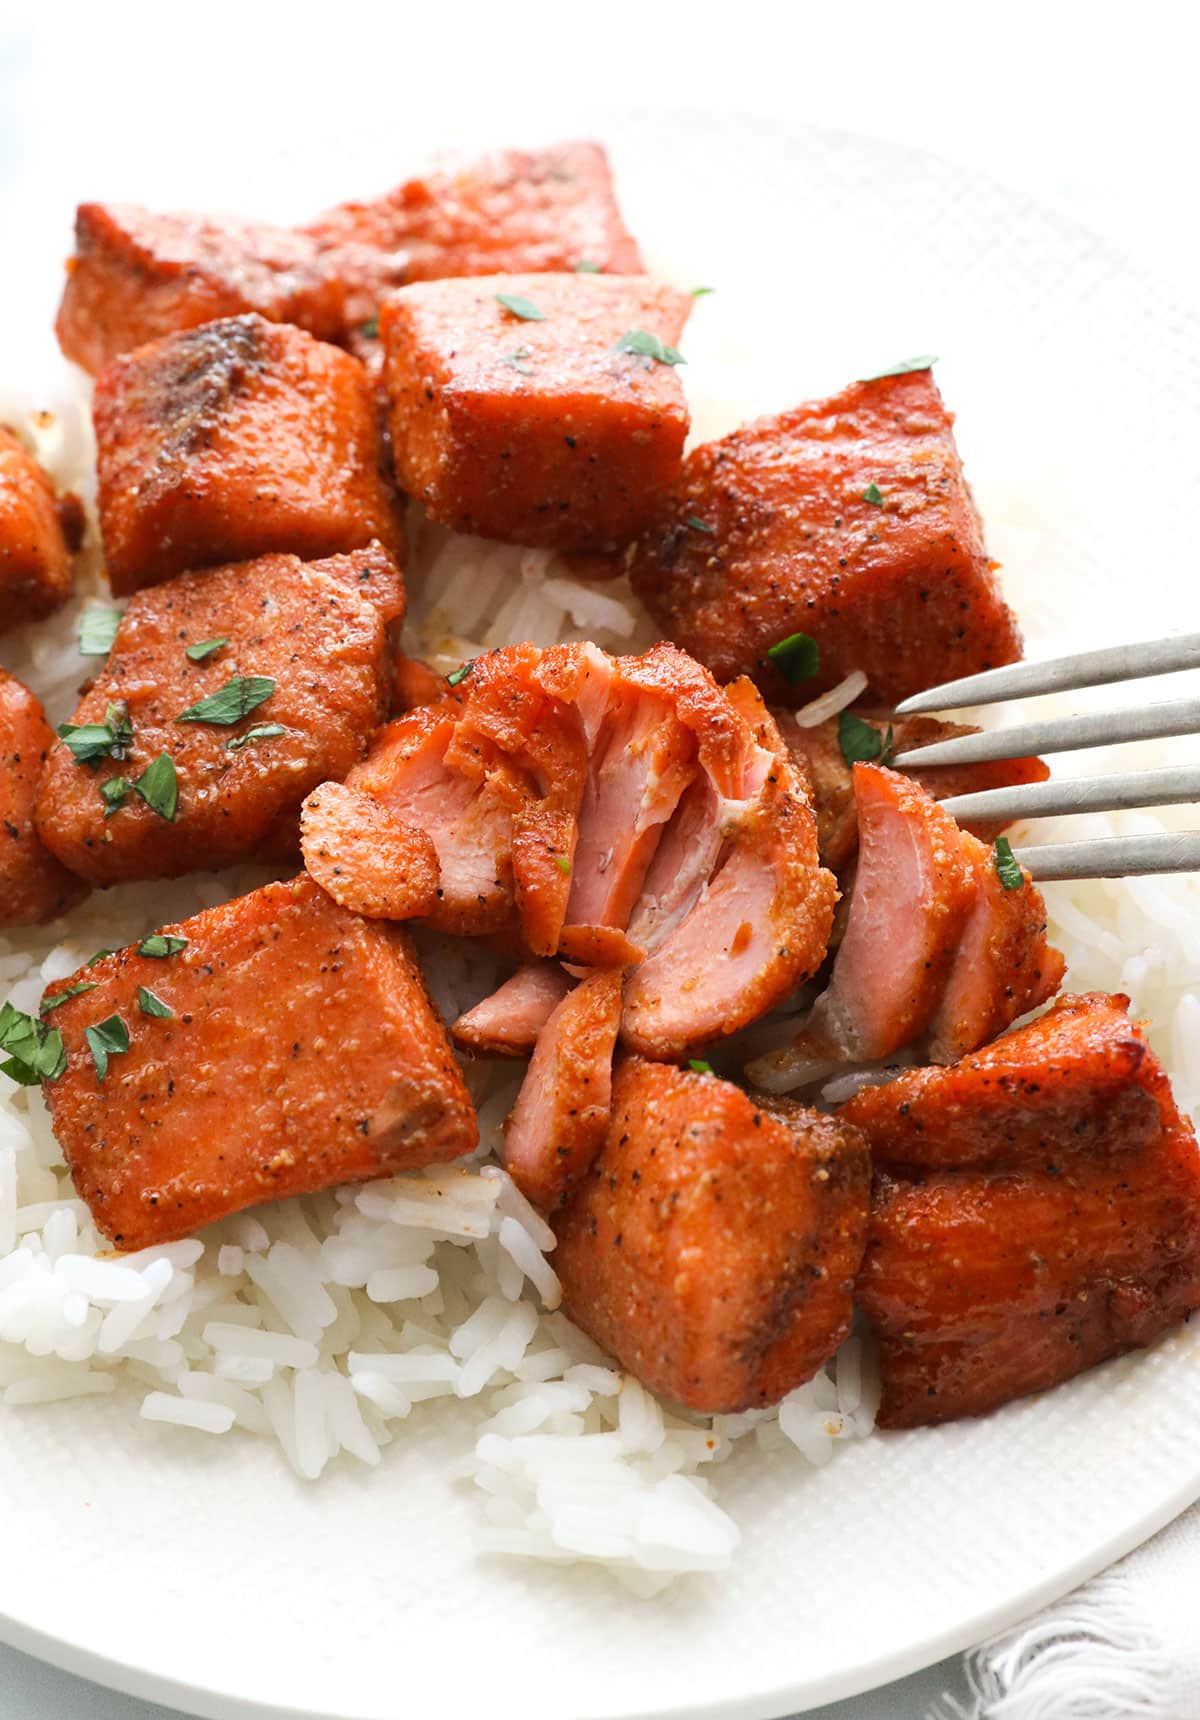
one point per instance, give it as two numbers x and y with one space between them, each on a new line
904 367
563 864
113 792
370 329
160 945
159 787
107 1039
460 674
98 630
90 742
702 292
698 1066
60 997
1005 862
260 732
35 1052
585 266
698 525
230 703
206 648
518 360
644 345
151 1005
874 495
797 658
100 955
861 742
521 307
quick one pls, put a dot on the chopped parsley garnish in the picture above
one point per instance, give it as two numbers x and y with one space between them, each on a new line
645 345
563 864
35 1052
702 292
206 648
698 1066
260 732
461 673
97 630
904 367
521 307
585 266
106 1040
698 525
230 703
159 787
370 329
797 657
159 945
517 360
874 495
113 792
861 742
100 955
151 1005
90 742
1005 862
76 990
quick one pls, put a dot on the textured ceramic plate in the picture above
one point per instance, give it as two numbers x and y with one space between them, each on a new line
200 1572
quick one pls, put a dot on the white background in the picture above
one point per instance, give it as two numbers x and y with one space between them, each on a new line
1089 108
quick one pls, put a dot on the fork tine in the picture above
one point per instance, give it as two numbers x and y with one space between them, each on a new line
1171 787
1059 674
1062 734
1113 857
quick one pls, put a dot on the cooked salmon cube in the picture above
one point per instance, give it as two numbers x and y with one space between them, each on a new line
339 1069
38 534
136 276
817 749
712 1248
525 408
239 689
231 440
1061 1225
512 212
848 520
34 887
561 1116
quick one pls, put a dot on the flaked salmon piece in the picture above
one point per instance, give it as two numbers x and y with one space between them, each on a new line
580 676
683 863
560 1119
818 750
583 947
1040 1212
507 712
365 857
507 1023
913 891
415 683
713 1245
543 850
759 927
306 1026
1003 965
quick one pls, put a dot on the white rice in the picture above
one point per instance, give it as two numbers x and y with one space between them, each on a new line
322 1324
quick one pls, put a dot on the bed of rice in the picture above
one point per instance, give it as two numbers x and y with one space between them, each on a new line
324 1323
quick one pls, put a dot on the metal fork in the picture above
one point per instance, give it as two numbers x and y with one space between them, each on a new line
1110 857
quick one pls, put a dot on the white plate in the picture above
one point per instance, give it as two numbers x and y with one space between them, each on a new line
200 1572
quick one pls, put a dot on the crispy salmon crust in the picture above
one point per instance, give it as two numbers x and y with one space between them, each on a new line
535 428
34 886
511 212
38 534
713 1245
314 629
231 440
561 1116
1057 1223
392 870
790 539
306 1026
